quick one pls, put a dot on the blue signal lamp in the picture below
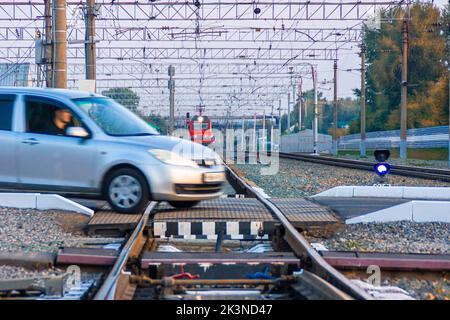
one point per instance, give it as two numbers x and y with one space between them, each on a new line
382 168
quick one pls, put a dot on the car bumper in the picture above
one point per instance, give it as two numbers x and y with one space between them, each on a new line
176 183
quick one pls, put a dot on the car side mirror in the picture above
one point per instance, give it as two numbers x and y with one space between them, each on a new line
78 132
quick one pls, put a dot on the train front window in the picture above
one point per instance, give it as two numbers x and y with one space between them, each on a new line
201 126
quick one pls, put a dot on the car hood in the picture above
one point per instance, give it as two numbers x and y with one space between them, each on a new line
182 147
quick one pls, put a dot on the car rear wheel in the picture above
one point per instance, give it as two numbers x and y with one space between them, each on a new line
183 204
126 191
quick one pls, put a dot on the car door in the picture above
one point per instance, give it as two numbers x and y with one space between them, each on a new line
8 141
54 162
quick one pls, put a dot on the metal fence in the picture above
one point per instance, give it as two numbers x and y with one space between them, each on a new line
303 142
431 137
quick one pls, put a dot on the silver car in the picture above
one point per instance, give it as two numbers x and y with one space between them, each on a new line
81 144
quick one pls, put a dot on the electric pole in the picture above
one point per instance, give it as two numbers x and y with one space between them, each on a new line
279 115
171 73
362 147
404 98
288 112
89 46
448 70
264 131
335 111
48 43
38 56
59 44
271 129
293 96
255 139
316 112
300 104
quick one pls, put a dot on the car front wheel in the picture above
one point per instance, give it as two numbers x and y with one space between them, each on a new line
126 191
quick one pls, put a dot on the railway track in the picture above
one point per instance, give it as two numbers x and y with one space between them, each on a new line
408 171
153 267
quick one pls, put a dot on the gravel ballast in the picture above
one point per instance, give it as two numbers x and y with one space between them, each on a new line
395 237
302 179
422 289
28 230
14 272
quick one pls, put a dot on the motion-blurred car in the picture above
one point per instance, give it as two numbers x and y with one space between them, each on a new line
81 144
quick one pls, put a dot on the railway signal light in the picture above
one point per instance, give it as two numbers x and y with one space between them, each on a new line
382 168
381 155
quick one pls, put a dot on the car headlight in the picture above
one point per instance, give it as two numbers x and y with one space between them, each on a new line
172 158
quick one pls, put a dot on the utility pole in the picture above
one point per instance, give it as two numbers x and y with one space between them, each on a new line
38 56
362 147
279 121
255 139
271 129
48 43
335 111
288 112
59 44
293 97
264 131
89 46
404 99
316 112
243 132
300 104
171 73
448 70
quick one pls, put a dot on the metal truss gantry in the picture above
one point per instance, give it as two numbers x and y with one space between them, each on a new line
256 47
173 34
193 54
144 10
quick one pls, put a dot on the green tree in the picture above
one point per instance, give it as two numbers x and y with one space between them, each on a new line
156 121
427 76
125 97
348 111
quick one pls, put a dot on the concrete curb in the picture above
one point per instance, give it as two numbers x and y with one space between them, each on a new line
422 193
42 202
416 211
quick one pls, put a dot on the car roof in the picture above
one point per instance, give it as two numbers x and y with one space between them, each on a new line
56 93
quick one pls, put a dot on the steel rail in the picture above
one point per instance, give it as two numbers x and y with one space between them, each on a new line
408 171
108 288
301 247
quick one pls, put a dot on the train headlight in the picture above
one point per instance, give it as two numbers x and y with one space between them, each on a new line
382 168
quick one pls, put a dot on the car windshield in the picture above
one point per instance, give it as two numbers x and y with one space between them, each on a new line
113 118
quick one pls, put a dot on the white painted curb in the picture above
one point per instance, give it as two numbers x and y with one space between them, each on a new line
42 202
399 192
416 211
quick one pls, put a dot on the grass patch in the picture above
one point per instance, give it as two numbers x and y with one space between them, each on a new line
413 153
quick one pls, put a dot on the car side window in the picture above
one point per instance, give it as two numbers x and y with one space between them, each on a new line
6 111
47 117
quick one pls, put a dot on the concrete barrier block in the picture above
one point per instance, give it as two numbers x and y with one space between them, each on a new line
341 191
18 200
432 193
56 202
378 192
431 211
395 213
